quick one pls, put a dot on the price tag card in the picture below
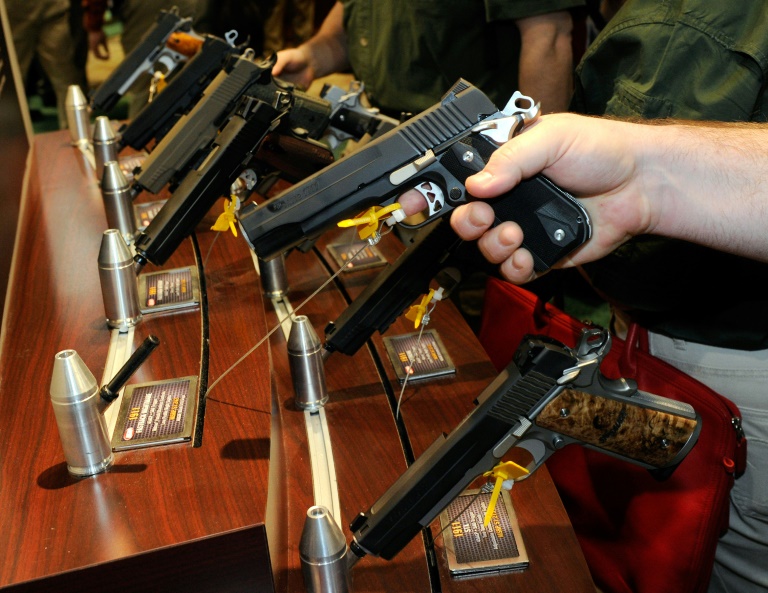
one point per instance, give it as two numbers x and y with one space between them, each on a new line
419 358
473 549
344 256
168 290
144 213
131 162
156 413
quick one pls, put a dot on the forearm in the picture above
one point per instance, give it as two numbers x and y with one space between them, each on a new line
327 50
700 182
546 59
706 184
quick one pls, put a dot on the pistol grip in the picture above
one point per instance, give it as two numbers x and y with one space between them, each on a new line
554 223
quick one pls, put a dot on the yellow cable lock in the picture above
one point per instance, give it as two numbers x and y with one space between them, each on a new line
506 470
226 220
372 218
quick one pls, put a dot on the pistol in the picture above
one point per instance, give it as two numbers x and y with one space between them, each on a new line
434 153
183 90
432 253
201 187
270 129
188 142
150 55
548 397
350 119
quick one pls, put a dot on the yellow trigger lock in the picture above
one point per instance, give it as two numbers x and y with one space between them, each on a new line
506 470
226 220
371 219
418 313
156 84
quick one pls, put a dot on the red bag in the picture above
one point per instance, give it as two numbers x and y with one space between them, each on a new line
638 535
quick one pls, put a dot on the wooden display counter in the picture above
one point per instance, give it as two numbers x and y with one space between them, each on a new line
227 510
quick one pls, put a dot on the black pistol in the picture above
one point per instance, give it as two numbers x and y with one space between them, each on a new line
434 152
432 251
183 90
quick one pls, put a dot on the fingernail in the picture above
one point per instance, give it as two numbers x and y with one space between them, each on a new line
482 177
476 219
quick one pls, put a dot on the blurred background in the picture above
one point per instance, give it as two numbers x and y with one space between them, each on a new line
270 25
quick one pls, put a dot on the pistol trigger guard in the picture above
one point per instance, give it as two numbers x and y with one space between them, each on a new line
169 60
538 452
434 195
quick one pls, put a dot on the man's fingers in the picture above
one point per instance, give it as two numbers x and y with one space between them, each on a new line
500 245
501 242
412 202
470 221
518 269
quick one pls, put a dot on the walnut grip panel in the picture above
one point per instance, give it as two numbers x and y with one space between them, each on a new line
639 433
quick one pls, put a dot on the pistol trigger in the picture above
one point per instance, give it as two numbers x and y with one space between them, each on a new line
434 196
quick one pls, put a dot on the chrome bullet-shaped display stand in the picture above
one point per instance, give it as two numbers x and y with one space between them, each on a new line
306 362
274 279
104 144
78 118
119 286
323 551
82 428
118 202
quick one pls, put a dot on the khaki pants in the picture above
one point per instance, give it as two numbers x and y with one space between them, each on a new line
41 28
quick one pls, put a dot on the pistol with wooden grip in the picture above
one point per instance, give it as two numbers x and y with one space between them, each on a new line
151 54
433 152
548 397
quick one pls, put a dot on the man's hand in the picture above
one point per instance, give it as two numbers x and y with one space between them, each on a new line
587 157
697 181
323 54
97 43
294 65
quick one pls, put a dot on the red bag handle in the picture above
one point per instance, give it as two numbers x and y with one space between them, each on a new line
542 318
637 339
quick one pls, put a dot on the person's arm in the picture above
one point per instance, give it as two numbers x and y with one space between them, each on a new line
322 54
546 59
703 183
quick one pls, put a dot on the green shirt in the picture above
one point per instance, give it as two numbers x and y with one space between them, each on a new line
687 59
408 53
